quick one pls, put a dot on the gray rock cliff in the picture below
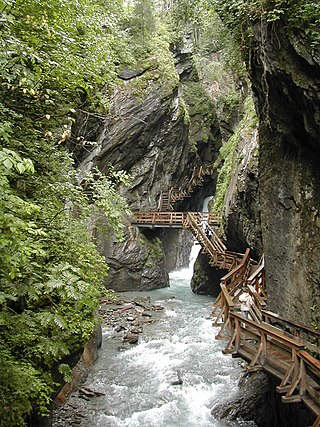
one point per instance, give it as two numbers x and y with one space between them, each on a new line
152 135
285 75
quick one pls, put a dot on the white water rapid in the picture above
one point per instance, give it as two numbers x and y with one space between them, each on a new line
139 382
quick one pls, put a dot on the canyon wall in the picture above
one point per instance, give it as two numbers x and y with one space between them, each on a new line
285 74
158 129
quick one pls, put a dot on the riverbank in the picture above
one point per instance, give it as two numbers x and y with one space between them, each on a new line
173 375
123 321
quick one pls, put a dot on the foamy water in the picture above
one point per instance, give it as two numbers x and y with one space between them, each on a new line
137 382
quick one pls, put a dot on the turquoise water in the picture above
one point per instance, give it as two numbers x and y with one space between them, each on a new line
137 381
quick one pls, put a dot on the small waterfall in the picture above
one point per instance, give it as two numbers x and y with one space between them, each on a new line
206 201
186 273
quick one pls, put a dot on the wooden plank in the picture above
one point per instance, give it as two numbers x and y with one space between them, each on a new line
244 260
256 273
227 297
310 360
257 297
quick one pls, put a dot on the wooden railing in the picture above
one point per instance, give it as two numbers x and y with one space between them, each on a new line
310 336
257 279
197 222
282 355
230 284
172 195
281 352
176 219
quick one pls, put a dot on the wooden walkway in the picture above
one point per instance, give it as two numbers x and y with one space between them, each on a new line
202 225
174 194
174 219
267 341
285 349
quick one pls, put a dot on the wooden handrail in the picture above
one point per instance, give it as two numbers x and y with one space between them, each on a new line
179 193
271 332
195 221
261 302
243 264
298 371
227 296
297 325
312 362
177 218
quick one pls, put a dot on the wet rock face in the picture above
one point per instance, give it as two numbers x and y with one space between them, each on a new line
242 210
144 135
177 244
206 279
286 82
258 401
137 264
251 402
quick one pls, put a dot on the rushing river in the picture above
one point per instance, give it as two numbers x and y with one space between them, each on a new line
137 380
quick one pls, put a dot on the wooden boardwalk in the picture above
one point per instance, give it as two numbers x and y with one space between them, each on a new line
202 225
267 341
285 349
169 197
156 219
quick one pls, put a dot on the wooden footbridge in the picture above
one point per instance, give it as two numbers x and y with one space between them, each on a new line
267 341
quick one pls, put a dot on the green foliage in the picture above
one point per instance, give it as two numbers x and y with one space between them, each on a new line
200 111
155 250
55 56
150 39
57 51
214 37
305 18
228 153
51 273
142 22
298 16
183 12
21 388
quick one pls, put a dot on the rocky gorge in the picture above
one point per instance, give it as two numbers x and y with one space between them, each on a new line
116 112
158 132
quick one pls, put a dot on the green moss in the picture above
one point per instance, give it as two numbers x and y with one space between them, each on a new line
154 246
197 99
228 156
156 58
198 110
184 111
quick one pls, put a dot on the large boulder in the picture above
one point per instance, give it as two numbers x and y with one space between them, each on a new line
206 279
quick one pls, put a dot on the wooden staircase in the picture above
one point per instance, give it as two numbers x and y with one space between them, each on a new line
267 341
175 194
